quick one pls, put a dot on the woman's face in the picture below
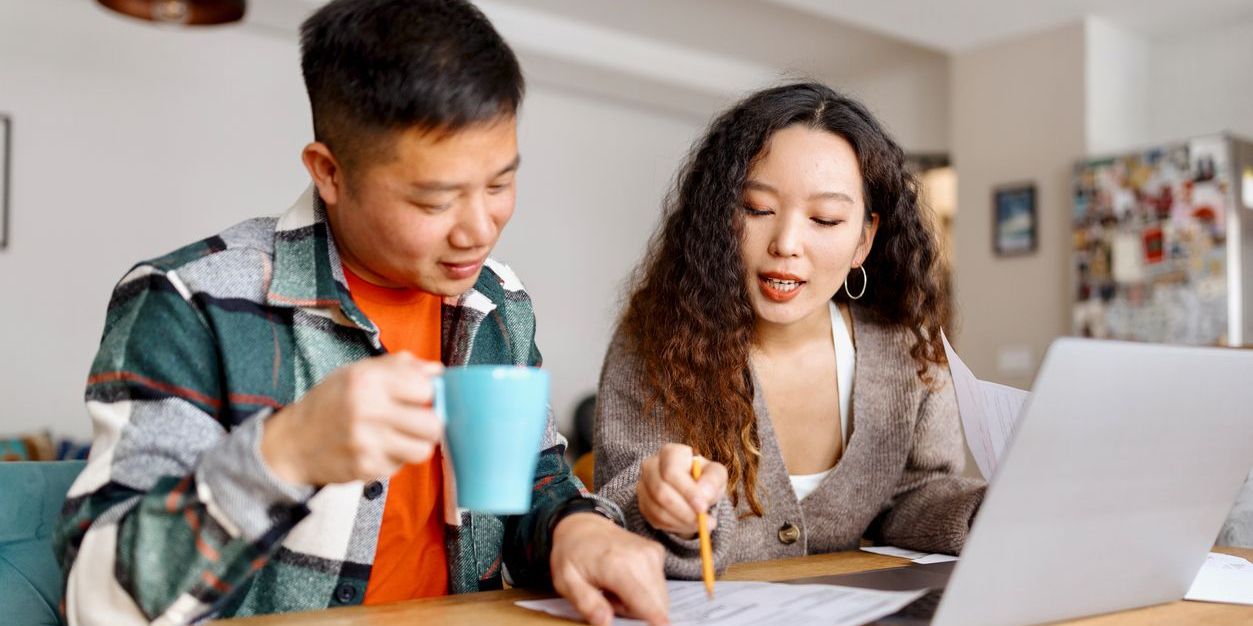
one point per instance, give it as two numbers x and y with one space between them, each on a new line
804 224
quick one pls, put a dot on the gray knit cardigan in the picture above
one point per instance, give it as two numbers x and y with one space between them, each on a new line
899 481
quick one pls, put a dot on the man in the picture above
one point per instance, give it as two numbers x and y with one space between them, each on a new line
255 390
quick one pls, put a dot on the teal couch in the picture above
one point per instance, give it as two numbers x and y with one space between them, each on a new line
31 495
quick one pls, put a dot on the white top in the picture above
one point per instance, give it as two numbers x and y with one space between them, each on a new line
845 362
804 484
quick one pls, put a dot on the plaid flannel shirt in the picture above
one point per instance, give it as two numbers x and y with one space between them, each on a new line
177 519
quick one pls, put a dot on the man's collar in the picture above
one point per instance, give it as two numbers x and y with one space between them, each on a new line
307 268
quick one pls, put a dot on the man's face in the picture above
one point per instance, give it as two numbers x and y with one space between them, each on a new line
427 215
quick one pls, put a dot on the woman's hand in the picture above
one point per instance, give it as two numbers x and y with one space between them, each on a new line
669 498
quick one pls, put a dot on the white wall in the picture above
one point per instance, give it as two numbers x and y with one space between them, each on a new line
1202 82
1143 91
132 140
128 141
1018 115
590 189
911 99
1117 89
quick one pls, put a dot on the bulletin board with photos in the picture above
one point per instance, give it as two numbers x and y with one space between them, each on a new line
1150 244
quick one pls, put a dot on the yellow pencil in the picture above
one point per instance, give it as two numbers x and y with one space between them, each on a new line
706 551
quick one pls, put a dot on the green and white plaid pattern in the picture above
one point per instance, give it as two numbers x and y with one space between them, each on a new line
177 519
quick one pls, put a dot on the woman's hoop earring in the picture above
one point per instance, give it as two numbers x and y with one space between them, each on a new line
865 280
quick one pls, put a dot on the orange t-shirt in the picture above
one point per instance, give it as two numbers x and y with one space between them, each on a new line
411 560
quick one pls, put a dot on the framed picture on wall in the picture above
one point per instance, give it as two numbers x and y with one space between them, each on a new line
6 156
1014 224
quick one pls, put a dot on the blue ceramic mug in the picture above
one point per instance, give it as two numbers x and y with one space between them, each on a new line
494 417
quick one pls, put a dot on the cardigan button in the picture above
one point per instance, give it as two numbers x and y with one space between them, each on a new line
789 533
345 593
373 490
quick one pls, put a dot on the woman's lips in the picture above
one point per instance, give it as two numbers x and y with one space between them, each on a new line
779 287
460 271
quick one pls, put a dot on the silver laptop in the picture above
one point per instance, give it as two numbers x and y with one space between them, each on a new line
1121 470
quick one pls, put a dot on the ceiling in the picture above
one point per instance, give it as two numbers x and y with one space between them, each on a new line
689 56
953 25
726 39
850 33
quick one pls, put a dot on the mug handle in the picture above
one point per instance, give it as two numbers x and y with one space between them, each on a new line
437 398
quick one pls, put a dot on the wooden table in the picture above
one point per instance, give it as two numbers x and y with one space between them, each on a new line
496 607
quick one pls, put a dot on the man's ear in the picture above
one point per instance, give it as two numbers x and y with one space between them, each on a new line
325 171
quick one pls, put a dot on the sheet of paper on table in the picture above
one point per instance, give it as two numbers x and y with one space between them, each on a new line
750 603
1223 578
922 558
988 411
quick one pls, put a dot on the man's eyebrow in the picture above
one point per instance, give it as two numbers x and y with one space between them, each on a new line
512 167
434 185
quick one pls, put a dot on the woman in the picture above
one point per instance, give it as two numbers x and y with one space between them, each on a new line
785 325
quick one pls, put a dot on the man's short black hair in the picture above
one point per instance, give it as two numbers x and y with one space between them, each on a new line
373 66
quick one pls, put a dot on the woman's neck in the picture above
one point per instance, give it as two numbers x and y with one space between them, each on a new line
775 339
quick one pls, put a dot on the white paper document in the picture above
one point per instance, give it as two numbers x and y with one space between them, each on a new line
1223 578
922 558
751 603
935 558
900 553
988 412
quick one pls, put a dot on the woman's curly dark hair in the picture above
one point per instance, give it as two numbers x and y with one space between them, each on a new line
689 315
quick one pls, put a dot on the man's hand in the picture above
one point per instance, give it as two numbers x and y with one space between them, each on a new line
598 566
362 422
669 498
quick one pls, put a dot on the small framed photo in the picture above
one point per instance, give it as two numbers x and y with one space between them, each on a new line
6 157
1014 225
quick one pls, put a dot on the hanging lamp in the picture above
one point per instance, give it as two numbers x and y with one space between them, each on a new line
184 12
